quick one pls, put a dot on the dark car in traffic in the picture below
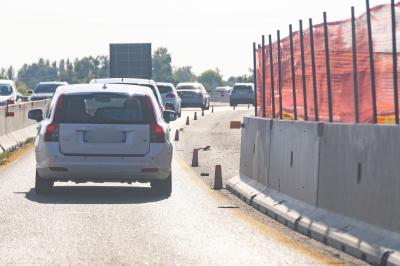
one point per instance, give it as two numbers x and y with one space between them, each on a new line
45 90
242 93
193 95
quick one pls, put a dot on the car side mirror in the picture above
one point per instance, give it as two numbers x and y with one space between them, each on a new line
36 114
169 116
30 92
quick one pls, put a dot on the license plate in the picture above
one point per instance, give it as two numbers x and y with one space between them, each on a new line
104 136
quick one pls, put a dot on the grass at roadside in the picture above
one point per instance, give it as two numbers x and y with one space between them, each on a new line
19 150
3 157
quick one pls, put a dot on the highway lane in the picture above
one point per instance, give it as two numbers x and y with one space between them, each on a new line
122 224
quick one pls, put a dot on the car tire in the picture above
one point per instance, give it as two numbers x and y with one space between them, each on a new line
162 187
43 186
207 107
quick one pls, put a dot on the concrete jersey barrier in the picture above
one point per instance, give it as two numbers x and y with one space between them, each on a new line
359 173
16 129
337 183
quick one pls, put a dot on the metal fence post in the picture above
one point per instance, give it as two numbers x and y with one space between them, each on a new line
395 78
328 68
372 64
279 75
314 75
271 64
293 72
355 68
263 76
255 77
303 71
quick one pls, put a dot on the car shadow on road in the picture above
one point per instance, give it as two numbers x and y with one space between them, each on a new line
94 195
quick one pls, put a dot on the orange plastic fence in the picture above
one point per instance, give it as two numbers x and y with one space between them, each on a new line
341 64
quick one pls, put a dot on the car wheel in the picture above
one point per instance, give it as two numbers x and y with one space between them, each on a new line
43 186
162 187
207 106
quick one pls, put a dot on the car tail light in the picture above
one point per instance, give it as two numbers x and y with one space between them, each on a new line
170 95
58 169
150 170
157 134
52 133
10 101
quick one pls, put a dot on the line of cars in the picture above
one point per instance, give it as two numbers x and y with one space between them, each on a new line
240 93
10 95
170 97
110 130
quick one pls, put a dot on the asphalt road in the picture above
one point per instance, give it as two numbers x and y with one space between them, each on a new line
122 224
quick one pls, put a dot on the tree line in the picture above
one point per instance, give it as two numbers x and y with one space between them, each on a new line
82 70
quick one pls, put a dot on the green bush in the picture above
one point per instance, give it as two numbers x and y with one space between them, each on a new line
22 88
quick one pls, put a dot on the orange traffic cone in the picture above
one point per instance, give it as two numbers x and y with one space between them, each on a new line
195 159
218 178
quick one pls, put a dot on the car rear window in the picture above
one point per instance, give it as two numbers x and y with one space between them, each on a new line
105 108
46 88
164 88
5 90
188 87
243 88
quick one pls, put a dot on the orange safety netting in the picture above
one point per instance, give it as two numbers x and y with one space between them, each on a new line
341 65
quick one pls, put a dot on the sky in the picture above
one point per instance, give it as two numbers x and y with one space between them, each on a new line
205 34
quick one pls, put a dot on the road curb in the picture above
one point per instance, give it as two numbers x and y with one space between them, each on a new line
363 241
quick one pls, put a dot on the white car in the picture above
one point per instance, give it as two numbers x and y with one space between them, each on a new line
170 97
103 133
139 82
8 92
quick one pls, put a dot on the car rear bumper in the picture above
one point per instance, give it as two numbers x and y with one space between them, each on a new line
242 100
192 103
156 165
